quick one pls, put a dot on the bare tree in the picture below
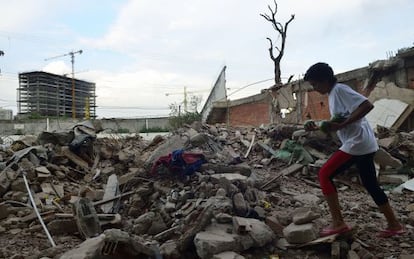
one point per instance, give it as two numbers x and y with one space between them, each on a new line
282 30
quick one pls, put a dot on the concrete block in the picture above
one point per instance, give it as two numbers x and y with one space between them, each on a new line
261 233
384 159
240 204
300 234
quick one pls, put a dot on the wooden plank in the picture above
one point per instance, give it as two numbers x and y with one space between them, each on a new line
287 171
250 146
97 203
75 158
267 148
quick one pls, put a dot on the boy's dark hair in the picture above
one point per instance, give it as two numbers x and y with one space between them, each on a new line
320 72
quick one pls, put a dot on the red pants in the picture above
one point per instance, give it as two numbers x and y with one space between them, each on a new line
341 161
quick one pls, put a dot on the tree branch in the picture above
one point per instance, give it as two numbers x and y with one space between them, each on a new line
271 49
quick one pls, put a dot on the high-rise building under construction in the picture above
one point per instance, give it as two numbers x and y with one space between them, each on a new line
47 94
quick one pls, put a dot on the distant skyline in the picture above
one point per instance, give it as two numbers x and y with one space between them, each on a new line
142 53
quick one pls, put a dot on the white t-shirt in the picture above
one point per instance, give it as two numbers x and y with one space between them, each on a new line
358 137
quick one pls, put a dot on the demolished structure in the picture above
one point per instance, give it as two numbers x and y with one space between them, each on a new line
255 194
387 83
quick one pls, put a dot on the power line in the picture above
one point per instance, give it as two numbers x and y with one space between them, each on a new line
254 83
131 108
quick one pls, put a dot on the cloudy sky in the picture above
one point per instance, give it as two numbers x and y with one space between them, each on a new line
142 53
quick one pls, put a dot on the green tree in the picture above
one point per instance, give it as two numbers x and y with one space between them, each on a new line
179 117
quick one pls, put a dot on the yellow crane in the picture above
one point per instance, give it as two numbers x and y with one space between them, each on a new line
72 60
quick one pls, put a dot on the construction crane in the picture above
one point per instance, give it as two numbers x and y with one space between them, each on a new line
72 60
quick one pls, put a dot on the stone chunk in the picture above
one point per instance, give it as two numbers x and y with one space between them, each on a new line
62 226
240 205
308 199
4 211
300 234
228 255
214 241
18 185
260 232
4 184
275 225
352 255
304 215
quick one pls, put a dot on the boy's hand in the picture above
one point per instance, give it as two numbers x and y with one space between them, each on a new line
310 125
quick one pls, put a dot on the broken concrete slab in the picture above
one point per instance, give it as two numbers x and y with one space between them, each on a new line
91 248
42 172
215 240
393 178
384 159
229 176
111 190
86 218
228 255
389 142
304 215
257 230
242 169
113 243
143 223
308 199
169 249
173 143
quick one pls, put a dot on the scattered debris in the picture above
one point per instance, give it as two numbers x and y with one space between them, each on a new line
203 192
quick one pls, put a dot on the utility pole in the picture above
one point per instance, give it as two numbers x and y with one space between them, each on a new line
1 54
72 60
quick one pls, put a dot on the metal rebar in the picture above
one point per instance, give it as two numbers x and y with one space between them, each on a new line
36 211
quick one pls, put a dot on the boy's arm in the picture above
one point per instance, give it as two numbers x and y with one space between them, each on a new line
363 109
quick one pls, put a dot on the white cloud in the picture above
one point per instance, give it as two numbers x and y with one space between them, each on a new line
58 67
155 46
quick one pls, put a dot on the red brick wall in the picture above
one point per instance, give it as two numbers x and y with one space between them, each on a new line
317 108
318 105
250 114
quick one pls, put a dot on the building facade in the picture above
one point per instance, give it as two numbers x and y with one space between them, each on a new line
6 114
46 94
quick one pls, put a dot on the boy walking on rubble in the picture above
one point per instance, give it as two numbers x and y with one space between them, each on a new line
358 147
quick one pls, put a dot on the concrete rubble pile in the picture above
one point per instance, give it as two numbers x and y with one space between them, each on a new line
254 195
